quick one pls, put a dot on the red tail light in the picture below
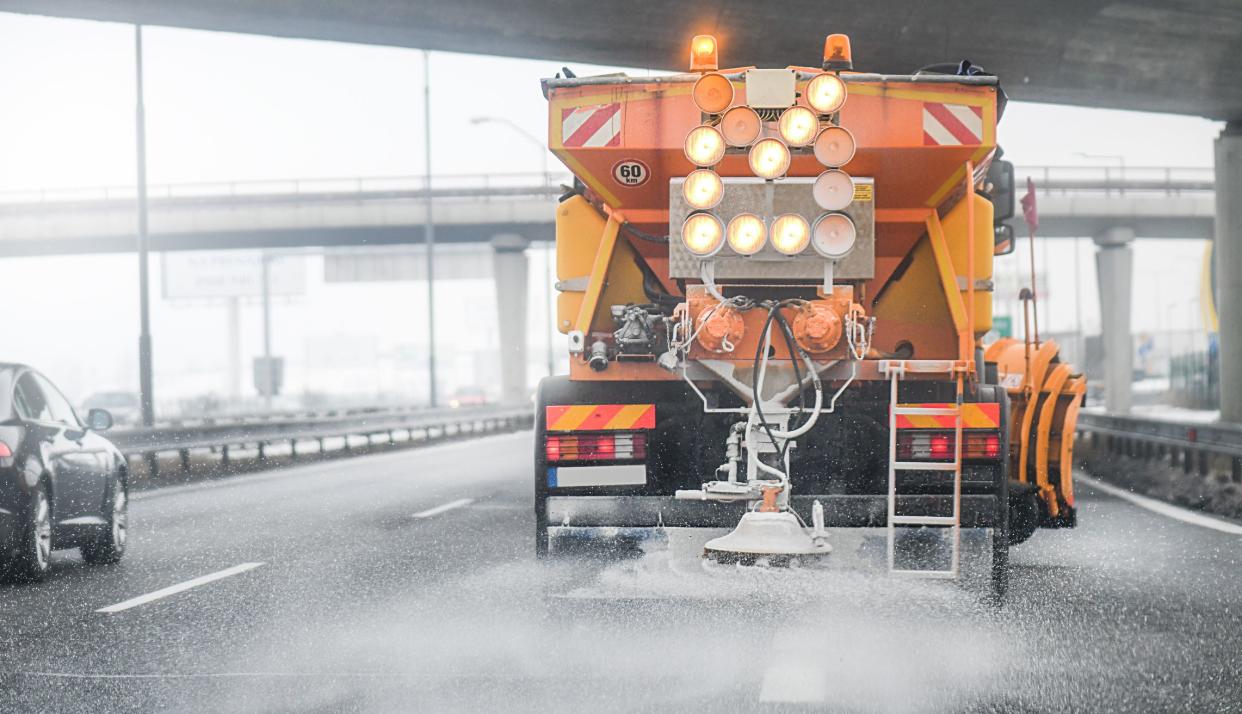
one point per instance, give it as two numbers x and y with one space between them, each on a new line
5 451
941 447
983 445
610 446
936 445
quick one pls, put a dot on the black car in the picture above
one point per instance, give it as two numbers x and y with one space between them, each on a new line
62 485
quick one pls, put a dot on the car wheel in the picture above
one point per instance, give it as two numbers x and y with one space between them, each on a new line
108 546
33 555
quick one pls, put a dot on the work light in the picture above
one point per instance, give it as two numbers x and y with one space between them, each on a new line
834 146
713 93
702 234
740 126
705 146
702 189
833 190
826 93
790 234
769 158
746 233
834 235
797 126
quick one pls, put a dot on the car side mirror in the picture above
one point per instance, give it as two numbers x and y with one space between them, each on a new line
1000 190
98 420
1003 242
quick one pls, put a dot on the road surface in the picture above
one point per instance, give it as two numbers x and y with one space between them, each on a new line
406 582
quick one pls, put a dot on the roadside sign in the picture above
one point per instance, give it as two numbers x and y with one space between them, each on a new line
1002 325
229 274
269 375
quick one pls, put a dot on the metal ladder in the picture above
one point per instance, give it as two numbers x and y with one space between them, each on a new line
896 370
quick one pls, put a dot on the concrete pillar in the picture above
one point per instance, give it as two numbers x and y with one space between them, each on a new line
1113 263
1228 256
509 269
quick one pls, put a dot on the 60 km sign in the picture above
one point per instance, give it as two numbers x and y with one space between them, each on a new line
631 172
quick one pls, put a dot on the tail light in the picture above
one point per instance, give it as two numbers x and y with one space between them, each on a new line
936 445
5 451
608 446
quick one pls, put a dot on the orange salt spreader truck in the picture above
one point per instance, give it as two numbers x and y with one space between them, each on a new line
775 284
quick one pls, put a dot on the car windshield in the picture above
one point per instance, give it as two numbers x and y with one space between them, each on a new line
620 356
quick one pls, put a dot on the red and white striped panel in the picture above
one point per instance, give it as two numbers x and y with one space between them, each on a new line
952 124
594 125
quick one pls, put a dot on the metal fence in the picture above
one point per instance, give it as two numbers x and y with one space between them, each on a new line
1195 447
445 186
260 432
1108 179
1117 179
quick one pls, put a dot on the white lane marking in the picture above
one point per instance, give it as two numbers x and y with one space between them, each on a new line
444 507
797 672
180 587
1164 509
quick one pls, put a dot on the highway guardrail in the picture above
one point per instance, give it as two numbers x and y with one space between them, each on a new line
1192 445
260 432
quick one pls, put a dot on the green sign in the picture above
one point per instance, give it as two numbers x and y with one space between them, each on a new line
1002 325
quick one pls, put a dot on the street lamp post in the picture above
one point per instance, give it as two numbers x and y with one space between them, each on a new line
145 371
429 234
543 162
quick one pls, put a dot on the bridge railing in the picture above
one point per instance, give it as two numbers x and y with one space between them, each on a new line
448 185
1171 180
1065 179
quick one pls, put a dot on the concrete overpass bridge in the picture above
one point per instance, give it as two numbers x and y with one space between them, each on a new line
1153 202
1112 205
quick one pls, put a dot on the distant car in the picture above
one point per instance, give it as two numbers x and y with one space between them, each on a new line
62 485
468 397
124 407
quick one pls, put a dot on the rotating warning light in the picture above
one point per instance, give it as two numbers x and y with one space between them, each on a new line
790 234
713 93
740 126
835 146
826 93
837 52
769 158
834 235
702 234
702 189
705 146
833 190
703 54
746 234
797 126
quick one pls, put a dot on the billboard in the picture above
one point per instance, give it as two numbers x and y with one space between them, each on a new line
229 274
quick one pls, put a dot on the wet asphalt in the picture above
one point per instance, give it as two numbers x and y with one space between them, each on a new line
374 596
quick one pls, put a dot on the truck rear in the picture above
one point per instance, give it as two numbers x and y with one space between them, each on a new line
775 283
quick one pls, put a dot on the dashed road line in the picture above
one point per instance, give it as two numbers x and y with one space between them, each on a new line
444 507
179 587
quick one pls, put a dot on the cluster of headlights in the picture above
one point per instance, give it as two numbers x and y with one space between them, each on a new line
790 234
832 234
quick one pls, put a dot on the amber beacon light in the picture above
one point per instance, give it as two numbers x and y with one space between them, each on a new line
703 57
837 53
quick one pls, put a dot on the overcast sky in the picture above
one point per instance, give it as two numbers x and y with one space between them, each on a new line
224 107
